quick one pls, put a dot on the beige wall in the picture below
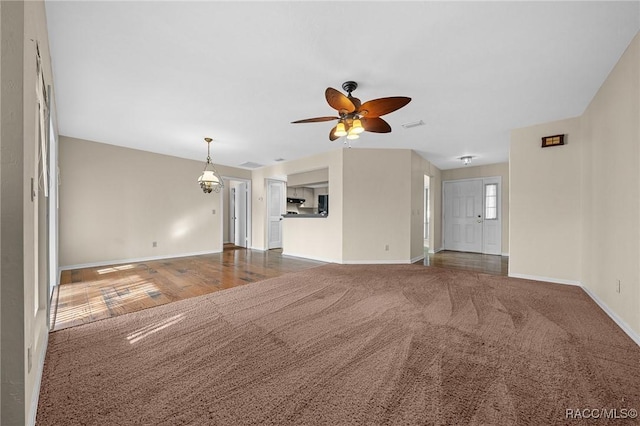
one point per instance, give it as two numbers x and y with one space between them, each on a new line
544 197
490 170
575 209
377 205
611 190
114 202
312 238
23 289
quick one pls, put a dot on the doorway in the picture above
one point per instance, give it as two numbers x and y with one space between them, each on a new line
427 214
472 215
237 211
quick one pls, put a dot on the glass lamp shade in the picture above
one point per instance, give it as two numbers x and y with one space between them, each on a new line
357 127
340 130
210 181
352 135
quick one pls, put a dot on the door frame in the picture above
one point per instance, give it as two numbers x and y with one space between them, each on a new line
485 180
227 179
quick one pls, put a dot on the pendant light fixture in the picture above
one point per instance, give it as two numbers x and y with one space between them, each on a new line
210 180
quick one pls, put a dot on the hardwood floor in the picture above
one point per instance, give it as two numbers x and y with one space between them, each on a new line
484 263
90 294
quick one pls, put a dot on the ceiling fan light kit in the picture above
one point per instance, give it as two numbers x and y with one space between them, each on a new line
355 117
210 180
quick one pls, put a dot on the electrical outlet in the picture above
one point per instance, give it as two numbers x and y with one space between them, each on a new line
154 244
213 211
29 359
386 247
618 287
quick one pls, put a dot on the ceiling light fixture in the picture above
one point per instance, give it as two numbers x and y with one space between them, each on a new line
210 180
466 159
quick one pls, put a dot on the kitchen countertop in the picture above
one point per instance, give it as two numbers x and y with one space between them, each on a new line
314 215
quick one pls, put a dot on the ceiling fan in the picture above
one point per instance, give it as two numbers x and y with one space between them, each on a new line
356 117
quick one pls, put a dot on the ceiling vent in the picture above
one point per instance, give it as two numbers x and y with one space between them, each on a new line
250 165
413 124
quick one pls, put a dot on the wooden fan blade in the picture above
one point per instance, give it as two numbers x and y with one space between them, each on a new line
375 125
339 101
332 136
382 106
315 120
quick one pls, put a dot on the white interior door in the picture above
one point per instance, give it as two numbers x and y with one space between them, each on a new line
463 215
241 203
232 214
276 198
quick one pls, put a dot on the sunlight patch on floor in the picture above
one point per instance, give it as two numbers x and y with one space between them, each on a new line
115 269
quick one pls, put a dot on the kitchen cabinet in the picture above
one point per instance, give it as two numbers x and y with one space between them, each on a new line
294 192
309 196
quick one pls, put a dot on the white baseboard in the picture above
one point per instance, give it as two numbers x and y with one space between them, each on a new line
377 262
505 254
438 250
305 256
33 410
621 323
546 279
258 248
417 258
136 260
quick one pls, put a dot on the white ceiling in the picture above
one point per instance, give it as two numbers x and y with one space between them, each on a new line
161 76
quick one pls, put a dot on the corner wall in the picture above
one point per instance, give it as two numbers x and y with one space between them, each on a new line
115 202
23 233
611 190
575 209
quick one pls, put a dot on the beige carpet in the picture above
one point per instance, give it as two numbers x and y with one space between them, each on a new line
347 344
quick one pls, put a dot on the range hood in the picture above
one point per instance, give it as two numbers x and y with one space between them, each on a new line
295 200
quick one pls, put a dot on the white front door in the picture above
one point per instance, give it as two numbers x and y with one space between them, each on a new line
472 215
276 204
463 215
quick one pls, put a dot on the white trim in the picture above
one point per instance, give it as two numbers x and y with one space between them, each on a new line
505 254
417 258
438 250
621 323
377 262
35 395
546 279
259 249
304 256
136 260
